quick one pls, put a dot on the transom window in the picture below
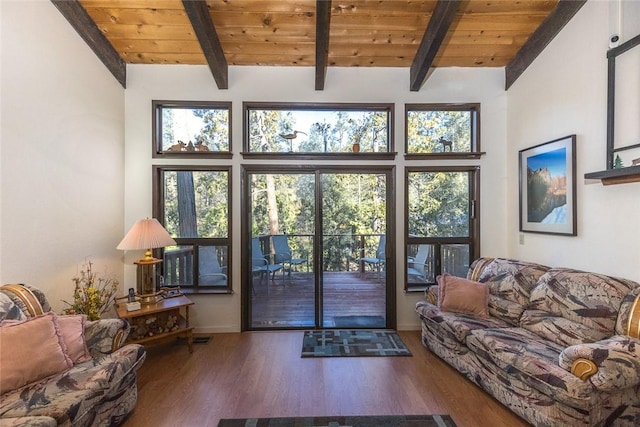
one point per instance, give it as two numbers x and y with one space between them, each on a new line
442 129
191 129
318 128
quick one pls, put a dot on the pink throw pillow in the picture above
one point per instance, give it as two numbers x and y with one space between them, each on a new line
463 296
72 330
30 351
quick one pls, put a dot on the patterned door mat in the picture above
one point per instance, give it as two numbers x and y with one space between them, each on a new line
340 343
359 322
347 421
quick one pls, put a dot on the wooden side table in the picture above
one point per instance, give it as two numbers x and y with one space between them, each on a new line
160 320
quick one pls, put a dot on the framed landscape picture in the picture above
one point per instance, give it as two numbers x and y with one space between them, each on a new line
548 187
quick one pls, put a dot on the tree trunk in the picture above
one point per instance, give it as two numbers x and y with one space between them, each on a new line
272 206
186 205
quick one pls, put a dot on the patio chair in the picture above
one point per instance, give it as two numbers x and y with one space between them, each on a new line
284 255
211 274
260 263
379 260
420 265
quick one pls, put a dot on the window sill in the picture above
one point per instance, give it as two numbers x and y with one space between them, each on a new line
444 156
188 291
322 156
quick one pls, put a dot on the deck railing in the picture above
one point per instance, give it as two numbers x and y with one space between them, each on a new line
342 252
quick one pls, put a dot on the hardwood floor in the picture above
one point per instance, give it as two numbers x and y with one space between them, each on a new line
261 374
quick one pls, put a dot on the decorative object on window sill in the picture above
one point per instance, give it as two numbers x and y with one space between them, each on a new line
147 234
446 143
190 146
92 295
617 164
290 137
356 147
293 135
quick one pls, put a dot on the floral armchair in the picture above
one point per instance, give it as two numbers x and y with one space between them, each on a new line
62 370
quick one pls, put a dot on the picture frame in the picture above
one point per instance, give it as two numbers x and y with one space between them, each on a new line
547 178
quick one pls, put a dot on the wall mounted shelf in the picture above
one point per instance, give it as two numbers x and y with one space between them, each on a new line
616 176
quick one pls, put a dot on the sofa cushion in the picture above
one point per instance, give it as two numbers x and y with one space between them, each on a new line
72 330
505 310
579 306
561 331
30 351
456 326
533 360
514 287
508 296
483 269
462 296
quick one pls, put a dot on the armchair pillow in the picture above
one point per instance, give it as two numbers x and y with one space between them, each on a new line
462 296
72 330
30 351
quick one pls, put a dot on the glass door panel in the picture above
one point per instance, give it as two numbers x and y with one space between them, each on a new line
354 261
283 290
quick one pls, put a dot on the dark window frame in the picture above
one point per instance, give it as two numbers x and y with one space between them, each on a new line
472 107
156 149
473 240
159 213
389 108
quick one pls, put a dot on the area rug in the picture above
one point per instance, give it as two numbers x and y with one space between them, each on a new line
339 343
347 421
359 322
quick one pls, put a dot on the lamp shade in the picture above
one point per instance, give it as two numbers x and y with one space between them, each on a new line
146 234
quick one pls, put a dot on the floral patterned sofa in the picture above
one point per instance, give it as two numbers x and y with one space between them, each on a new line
96 388
557 346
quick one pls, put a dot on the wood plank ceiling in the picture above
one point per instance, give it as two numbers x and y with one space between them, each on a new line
321 33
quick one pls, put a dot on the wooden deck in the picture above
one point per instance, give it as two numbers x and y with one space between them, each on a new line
290 303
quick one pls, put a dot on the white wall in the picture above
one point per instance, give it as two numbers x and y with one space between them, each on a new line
564 92
62 161
166 82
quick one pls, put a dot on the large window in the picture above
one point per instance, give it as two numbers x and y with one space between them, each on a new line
443 130
194 204
318 129
442 232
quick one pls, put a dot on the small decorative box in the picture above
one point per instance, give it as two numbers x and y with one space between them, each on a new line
131 306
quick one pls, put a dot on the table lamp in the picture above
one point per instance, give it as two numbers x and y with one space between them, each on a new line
146 234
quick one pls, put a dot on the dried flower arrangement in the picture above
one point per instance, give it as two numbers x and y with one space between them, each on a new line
92 295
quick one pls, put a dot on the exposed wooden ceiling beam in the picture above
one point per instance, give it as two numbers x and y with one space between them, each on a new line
323 20
200 18
541 37
437 29
91 34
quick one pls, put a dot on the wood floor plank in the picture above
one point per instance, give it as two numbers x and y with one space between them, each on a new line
261 374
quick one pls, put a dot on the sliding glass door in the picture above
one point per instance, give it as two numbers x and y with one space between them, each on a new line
354 250
317 249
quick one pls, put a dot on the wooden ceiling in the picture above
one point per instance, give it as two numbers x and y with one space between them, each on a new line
320 33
